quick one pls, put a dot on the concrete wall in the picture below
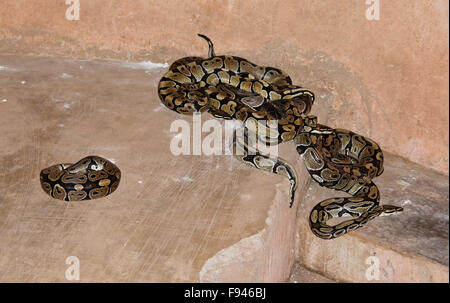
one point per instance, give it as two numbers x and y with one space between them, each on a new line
385 78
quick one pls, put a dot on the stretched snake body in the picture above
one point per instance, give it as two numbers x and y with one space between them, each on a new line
90 178
231 87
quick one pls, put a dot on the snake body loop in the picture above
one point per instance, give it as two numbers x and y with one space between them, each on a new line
345 161
92 177
230 87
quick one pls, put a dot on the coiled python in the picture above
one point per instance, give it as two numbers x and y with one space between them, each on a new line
231 87
92 177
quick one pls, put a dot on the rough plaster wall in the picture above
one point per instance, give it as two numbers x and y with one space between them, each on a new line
396 68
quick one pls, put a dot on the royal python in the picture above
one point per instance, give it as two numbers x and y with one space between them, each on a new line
92 177
231 87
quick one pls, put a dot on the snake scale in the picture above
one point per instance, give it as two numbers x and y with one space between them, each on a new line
92 177
230 87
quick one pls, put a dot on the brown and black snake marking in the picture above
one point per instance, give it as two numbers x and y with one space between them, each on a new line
230 87
342 160
92 177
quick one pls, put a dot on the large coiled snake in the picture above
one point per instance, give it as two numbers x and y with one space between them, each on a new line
230 87
92 177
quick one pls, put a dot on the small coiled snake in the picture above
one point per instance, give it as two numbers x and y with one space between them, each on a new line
230 87
92 177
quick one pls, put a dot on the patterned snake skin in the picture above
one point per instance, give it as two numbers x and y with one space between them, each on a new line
230 87
92 177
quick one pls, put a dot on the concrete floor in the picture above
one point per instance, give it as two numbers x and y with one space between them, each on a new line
300 274
170 216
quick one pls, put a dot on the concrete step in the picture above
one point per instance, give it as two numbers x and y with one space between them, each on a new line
410 247
173 218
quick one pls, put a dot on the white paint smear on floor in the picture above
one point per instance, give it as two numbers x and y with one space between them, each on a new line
6 68
148 65
65 76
